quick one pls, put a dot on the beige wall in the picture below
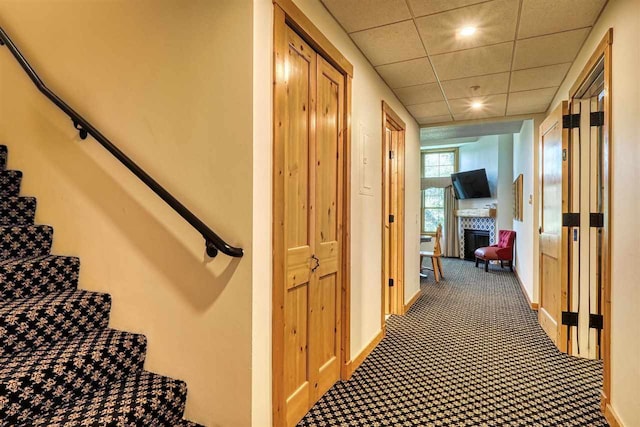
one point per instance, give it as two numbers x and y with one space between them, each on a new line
158 77
368 92
624 17
523 163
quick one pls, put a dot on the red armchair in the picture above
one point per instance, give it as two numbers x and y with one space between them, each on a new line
502 252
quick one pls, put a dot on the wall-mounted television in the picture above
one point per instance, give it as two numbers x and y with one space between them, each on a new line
471 184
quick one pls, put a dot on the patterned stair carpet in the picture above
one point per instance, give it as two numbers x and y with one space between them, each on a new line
470 352
60 364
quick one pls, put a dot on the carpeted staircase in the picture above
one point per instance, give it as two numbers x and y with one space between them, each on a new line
60 363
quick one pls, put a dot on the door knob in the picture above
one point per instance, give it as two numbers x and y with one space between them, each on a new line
315 267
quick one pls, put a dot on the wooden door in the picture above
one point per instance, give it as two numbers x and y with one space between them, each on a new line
393 134
324 306
553 240
390 259
308 181
299 227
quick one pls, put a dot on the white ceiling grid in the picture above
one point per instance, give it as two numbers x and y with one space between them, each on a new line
513 64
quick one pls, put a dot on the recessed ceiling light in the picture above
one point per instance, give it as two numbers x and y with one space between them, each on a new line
476 105
467 31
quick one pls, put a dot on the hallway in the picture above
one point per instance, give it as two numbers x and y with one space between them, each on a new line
469 352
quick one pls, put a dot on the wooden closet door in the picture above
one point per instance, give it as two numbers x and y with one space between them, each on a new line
298 126
554 189
325 294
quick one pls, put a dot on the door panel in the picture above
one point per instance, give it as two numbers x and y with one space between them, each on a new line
326 310
300 68
553 245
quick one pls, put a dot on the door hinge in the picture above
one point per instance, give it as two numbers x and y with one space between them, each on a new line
390 282
596 220
569 318
564 155
596 321
391 155
596 118
570 121
392 219
571 220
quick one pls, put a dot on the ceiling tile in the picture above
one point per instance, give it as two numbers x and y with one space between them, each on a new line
407 73
541 77
473 62
530 101
428 7
432 120
493 106
391 43
548 50
495 22
551 16
363 14
430 109
491 84
420 94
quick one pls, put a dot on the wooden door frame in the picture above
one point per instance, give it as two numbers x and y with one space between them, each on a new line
604 51
391 119
287 14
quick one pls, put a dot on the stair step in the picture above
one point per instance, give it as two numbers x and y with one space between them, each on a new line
17 210
10 183
25 241
33 322
142 399
49 377
23 278
187 423
3 156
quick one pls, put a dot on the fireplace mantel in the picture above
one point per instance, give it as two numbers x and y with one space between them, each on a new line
476 213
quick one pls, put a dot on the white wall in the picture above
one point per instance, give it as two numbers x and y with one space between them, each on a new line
523 163
170 83
480 155
624 17
493 153
504 218
368 92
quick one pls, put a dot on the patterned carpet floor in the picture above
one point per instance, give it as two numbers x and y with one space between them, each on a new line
470 352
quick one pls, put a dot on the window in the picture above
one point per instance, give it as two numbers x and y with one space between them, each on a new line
435 164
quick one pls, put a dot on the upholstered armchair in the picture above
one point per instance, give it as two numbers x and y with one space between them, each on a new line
502 252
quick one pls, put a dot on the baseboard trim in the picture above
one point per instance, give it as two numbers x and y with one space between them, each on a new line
355 363
412 301
533 305
611 417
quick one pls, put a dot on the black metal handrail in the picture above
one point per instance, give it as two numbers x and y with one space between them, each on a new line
213 242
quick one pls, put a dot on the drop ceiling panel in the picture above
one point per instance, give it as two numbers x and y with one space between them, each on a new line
363 14
407 73
391 43
473 62
435 119
430 109
537 78
551 16
491 84
428 7
492 106
518 56
495 22
421 94
535 101
549 50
